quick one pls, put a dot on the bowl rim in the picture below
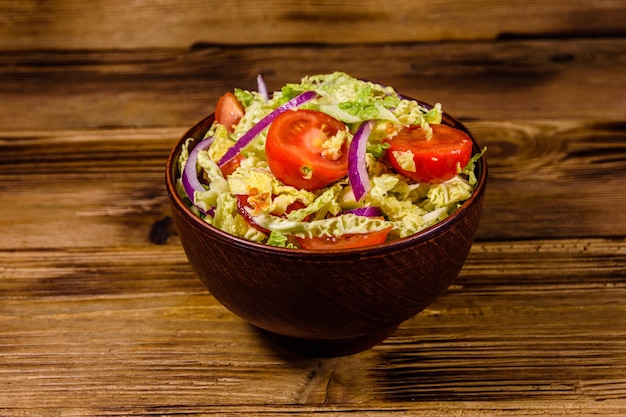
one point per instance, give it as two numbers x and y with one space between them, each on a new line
409 241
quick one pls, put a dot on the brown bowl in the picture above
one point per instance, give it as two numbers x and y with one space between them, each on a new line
326 303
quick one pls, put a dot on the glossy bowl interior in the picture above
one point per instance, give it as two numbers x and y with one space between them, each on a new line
326 303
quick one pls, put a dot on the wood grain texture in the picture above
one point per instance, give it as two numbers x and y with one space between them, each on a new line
93 309
100 312
538 79
118 24
134 324
105 187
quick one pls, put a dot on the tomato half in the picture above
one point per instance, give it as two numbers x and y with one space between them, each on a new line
294 149
344 242
228 111
435 159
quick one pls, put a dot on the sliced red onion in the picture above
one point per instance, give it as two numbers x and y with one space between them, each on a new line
366 211
263 123
262 88
357 170
190 173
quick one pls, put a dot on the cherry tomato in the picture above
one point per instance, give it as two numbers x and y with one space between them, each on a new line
228 111
294 149
344 242
436 158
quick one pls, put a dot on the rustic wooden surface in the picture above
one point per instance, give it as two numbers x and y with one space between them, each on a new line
100 314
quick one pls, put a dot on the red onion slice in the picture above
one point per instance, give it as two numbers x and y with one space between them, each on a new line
190 173
366 211
261 87
357 170
262 124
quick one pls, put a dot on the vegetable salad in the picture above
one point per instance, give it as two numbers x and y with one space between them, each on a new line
330 162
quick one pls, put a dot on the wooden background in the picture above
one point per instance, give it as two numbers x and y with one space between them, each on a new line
100 313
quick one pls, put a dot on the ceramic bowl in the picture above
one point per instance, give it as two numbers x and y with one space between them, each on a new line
326 303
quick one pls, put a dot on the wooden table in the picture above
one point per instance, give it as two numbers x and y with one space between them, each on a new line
100 313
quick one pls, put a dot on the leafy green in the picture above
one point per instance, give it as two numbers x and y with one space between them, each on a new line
326 203
245 97
280 240
377 149
470 167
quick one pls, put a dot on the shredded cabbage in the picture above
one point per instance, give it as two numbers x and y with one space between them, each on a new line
331 226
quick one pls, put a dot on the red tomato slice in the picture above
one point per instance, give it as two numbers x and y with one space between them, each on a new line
228 111
230 166
294 149
344 242
435 159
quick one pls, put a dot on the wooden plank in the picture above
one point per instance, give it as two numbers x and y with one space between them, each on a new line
97 188
118 24
100 313
539 79
89 188
525 324
557 178
471 409
68 272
